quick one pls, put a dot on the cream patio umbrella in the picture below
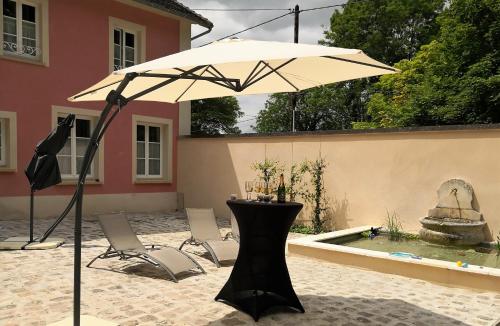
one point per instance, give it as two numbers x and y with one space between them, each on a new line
237 67
223 68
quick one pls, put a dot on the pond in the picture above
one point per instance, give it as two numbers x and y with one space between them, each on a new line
421 248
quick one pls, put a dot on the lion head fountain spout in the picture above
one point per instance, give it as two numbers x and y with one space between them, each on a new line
456 219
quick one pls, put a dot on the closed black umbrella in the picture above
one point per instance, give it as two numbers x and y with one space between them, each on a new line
43 169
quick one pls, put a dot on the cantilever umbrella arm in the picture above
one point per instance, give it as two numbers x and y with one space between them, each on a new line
114 98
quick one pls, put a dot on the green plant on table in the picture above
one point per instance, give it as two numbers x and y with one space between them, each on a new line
394 227
268 170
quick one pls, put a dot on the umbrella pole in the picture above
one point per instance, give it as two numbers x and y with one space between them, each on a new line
114 97
32 204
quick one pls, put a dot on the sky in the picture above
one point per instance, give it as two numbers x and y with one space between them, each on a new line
311 27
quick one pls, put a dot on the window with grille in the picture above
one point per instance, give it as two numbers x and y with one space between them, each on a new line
21 25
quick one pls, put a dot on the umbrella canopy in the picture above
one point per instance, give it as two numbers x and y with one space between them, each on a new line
238 67
43 169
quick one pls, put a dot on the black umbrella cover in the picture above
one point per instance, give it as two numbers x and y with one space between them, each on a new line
43 169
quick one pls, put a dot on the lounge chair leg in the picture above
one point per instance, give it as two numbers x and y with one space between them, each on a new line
100 256
182 245
93 260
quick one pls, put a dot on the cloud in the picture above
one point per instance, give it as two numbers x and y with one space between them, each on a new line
311 27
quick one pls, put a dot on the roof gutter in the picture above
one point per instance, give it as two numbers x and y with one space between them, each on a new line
203 33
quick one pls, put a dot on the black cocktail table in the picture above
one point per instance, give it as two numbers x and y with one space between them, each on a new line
260 279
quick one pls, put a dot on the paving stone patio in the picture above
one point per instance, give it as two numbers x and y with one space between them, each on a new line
36 287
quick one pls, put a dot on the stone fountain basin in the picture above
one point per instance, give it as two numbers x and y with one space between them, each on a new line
452 231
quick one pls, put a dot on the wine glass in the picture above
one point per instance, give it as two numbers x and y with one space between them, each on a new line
260 187
249 188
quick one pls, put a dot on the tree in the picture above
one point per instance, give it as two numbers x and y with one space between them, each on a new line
214 116
387 30
453 80
317 109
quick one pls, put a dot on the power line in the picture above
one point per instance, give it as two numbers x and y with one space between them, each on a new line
267 21
324 7
245 9
268 9
252 27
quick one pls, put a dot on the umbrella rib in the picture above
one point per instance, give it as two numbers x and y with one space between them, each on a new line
220 75
190 85
251 76
360 63
270 72
187 76
218 80
171 79
96 89
277 73
214 80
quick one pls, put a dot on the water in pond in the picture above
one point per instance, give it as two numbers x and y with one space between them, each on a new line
425 249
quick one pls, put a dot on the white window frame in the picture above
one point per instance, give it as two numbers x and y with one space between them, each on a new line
97 168
8 122
74 172
3 158
42 33
166 149
123 38
146 151
139 32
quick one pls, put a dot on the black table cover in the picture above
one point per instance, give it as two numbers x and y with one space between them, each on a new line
260 278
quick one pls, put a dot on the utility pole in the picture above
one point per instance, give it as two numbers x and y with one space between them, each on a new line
292 96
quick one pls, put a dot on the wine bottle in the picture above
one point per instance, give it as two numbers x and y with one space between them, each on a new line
281 190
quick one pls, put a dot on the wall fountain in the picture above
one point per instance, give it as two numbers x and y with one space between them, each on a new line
456 219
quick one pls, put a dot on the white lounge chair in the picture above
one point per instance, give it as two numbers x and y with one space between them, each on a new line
204 232
125 245
235 232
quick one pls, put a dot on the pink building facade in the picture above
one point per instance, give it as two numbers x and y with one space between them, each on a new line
54 49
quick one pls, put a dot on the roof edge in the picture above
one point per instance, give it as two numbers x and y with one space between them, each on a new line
176 8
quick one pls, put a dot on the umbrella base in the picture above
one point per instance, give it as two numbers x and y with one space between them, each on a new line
84 321
18 243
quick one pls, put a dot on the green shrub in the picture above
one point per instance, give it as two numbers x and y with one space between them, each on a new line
304 229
